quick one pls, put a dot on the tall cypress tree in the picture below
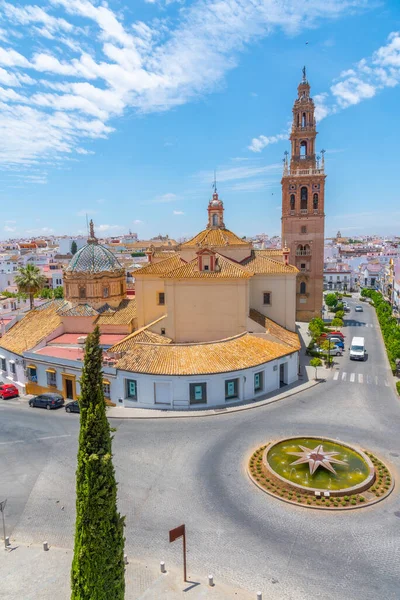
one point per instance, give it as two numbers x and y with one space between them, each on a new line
98 564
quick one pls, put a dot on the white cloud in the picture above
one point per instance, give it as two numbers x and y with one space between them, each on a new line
124 64
83 151
178 212
232 173
137 222
10 221
8 228
361 82
103 228
258 144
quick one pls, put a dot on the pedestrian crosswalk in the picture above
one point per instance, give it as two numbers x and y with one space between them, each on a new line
358 324
344 377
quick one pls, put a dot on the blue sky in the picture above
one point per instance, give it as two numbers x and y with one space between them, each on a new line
122 110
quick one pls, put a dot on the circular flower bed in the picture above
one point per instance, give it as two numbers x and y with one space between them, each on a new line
381 486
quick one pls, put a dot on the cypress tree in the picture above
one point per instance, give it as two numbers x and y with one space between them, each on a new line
98 564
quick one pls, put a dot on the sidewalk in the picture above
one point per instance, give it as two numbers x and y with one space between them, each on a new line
29 573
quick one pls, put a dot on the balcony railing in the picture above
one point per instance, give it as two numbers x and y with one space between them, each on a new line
297 172
303 211
303 252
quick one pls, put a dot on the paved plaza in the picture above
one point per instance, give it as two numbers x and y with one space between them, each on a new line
192 471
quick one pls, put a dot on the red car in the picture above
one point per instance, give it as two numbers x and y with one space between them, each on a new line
8 390
333 334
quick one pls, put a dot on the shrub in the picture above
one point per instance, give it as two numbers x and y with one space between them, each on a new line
361 499
353 501
398 387
337 322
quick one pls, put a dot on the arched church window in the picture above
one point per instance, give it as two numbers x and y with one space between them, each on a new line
215 220
303 148
292 201
300 250
304 120
307 249
303 287
303 198
298 119
106 291
315 201
82 292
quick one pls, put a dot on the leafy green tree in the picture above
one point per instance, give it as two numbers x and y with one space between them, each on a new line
336 322
331 300
74 247
30 281
58 292
316 362
98 564
316 326
45 293
328 346
339 314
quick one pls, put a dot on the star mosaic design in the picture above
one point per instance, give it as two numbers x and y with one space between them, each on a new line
316 457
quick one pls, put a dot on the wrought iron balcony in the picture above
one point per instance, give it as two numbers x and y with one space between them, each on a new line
303 252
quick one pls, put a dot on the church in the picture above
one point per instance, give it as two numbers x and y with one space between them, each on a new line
213 320
212 324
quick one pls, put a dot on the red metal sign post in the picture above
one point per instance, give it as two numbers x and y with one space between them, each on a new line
174 534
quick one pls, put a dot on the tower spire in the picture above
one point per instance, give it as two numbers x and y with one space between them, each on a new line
215 181
304 74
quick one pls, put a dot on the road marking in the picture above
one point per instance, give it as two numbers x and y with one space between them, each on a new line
386 383
53 437
336 376
13 442
376 380
352 377
369 380
344 376
360 378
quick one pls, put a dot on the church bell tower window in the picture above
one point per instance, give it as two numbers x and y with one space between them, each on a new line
303 198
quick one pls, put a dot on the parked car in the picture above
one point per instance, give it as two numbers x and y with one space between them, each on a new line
8 390
333 334
359 308
48 401
336 341
73 407
334 351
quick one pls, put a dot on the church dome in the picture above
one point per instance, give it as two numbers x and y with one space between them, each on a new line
95 276
94 258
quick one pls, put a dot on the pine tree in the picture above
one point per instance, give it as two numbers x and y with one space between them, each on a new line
98 563
74 247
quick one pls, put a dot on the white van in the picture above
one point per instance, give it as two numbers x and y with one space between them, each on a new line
357 349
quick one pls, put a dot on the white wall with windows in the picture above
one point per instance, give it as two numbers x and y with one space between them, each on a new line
136 390
12 369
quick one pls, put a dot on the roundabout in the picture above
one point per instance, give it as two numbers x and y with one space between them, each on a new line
319 472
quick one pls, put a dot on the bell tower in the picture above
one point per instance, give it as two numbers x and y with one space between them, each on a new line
303 216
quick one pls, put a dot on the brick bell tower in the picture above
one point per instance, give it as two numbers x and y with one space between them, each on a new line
303 217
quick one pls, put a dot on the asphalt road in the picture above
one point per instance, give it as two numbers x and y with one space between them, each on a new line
193 471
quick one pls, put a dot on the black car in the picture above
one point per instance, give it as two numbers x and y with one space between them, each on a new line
73 407
48 401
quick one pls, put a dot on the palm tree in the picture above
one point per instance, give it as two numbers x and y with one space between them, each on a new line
29 281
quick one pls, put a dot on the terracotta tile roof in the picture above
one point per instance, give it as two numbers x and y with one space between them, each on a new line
270 252
227 270
164 253
32 329
240 352
215 237
122 315
258 262
281 334
139 336
161 267
77 310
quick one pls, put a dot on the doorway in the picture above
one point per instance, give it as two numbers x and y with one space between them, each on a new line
282 375
162 393
69 389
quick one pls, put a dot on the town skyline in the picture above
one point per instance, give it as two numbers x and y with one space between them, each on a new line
91 124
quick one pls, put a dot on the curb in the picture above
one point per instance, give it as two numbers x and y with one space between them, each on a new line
312 506
216 412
